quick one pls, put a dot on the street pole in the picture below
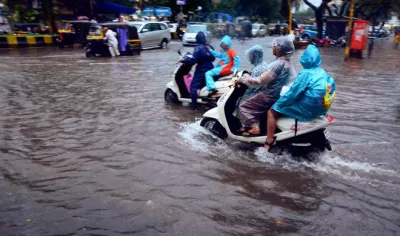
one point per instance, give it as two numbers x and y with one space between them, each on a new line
349 31
290 16
91 9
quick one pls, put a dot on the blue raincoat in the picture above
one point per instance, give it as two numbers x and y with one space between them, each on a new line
229 61
312 93
204 61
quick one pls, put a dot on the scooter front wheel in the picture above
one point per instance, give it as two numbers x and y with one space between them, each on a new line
214 127
170 96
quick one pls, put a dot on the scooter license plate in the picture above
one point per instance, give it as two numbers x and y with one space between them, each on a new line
327 134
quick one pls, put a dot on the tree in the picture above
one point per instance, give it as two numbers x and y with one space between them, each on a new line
319 13
302 15
227 6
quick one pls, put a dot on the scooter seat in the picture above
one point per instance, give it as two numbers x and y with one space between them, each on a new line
287 123
222 77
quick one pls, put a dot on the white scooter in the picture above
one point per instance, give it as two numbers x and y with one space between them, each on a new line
177 92
300 137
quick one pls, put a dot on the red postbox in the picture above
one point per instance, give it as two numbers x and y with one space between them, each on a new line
360 35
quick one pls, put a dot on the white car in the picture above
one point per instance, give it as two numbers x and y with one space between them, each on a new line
259 30
153 34
173 27
189 38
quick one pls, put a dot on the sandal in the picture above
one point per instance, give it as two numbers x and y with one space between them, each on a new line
271 145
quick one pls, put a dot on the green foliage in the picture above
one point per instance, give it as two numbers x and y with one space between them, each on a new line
259 10
227 6
224 18
25 14
309 13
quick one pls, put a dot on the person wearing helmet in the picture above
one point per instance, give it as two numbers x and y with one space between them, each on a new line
229 62
265 87
309 97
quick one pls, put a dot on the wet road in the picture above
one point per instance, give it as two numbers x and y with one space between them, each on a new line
89 147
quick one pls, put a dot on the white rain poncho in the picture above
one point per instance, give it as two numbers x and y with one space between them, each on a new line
266 88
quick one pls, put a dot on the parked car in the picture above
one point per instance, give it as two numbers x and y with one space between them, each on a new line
173 27
5 27
153 34
311 31
259 30
189 38
378 32
31 28
72 32
277 28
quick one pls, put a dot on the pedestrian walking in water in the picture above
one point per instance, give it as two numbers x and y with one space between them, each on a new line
112 42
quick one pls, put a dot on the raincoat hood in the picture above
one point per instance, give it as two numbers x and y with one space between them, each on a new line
255 55
311 58
201 38
227 41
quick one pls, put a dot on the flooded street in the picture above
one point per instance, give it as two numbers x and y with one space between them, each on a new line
89 147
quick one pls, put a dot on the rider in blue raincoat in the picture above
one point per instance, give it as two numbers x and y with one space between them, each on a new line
310 96
204 61
227 65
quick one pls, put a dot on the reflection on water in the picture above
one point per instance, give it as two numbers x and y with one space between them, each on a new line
89 147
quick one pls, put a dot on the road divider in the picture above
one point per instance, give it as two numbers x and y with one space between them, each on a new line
14 41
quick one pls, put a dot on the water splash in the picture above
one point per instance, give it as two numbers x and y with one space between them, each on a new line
202 140
199 139
331 164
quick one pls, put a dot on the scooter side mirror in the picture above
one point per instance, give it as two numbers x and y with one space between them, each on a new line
179 52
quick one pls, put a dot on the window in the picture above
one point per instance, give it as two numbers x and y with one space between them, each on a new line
95 30
163 27
137 25
155 27
262 27
147 26
196 29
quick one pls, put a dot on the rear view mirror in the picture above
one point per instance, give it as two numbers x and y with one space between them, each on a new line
145 30
179 52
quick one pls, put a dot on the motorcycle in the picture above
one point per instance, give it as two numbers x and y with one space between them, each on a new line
177 91
300 137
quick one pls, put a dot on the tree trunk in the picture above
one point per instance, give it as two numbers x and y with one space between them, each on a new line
49 15
319 13
319 20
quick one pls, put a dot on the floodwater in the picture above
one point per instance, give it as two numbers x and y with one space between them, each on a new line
89 147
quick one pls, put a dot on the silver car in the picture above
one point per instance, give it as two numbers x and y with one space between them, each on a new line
189 38
153 34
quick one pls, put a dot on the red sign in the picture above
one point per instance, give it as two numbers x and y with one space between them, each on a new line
360 35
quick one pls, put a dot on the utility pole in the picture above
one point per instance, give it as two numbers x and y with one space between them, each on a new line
349 31
290 15
91 8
